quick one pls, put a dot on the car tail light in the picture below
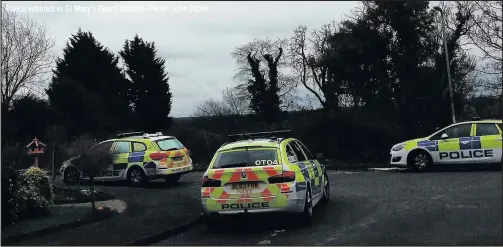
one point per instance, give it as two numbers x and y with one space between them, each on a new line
158 156
286 176
208 182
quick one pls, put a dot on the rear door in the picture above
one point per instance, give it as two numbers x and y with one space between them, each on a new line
317 169
137 157
307 167
488 143
245 172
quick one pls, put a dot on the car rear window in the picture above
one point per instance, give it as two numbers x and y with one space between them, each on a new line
169 144
246 158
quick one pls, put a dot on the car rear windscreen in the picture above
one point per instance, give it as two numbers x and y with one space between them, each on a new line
169 144
246 158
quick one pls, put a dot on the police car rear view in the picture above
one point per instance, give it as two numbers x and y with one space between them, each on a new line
263 173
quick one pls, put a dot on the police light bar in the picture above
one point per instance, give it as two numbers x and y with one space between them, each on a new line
121 135
256 135
152 135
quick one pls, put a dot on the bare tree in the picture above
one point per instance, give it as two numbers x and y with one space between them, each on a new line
26 55
212 108
481 31
486 34
306 55
264 50
237 102
91 158
486 30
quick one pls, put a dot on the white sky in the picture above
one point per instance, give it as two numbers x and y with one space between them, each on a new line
197 46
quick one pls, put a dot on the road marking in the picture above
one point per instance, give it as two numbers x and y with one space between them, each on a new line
264 242
462 206
267 241
342 172
383 169
368 222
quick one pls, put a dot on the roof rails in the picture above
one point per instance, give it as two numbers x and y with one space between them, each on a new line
269 134
139 134
484 119
127 134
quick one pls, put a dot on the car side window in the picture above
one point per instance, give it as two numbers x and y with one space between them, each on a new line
122 147
462 130
106 145
298 152
486 129
139 147
290 152
308 153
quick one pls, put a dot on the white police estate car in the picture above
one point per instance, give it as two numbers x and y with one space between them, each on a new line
472 142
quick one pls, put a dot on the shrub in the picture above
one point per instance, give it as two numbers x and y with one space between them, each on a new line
91 159
34 193
9 205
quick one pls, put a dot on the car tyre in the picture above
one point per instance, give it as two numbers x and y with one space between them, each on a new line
420 161
71 176
136 177
326 190
172 179
307 214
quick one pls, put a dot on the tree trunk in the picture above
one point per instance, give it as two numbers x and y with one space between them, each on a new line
93 203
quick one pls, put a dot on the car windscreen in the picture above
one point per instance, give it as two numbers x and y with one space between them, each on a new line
169 144
246 158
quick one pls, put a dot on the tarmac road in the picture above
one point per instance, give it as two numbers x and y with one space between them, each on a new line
376 208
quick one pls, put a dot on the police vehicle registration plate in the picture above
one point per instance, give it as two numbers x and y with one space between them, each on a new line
245 186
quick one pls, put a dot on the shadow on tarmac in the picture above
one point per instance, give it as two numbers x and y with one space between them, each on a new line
458 168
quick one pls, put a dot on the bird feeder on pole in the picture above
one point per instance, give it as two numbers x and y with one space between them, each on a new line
35 148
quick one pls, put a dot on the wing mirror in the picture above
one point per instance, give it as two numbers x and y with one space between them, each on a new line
319 156
444 136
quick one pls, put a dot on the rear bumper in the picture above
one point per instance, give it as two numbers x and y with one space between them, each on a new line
292 202
173 171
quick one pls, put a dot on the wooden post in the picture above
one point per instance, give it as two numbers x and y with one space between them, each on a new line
36 161
53 164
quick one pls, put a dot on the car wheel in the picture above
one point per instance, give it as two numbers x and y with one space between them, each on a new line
420 161
307 214
136 177
326 190
172 179
71 176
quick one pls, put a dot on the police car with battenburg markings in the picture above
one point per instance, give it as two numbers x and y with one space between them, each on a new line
471 142
263 172
137 158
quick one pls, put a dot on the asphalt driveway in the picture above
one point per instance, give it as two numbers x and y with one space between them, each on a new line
381 208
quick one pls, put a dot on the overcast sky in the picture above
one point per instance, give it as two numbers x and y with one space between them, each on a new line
195 44
196 41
